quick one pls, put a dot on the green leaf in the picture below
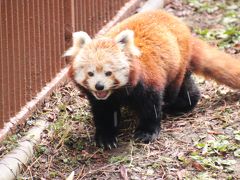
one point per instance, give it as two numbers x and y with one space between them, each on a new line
237 153
221 146
237 137
119 159
201 145
203 176
65 160
228 162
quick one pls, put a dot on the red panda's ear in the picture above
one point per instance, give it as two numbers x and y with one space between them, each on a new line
79 39
126 41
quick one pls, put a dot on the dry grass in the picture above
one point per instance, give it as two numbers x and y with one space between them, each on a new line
68 144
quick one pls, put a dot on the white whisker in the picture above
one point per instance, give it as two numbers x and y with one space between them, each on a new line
189 98
155 111
127 90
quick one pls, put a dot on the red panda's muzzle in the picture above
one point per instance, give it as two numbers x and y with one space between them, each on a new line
101 95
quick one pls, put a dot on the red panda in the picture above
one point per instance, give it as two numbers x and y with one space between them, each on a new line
144 62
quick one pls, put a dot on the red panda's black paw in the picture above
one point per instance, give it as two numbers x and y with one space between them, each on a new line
106 142
145 136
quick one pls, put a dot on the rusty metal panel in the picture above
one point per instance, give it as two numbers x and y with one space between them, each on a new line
91 15
33 36
4 61
31 44
2 82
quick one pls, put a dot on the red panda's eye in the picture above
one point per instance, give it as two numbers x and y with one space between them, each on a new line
91 74
108 73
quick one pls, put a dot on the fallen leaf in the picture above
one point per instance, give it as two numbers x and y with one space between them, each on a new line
123 173
70 109
150 172
181 174
198 166
52 117
205 149
237 153
215 132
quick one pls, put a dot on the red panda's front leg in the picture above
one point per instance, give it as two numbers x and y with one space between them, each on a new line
106 116
148 104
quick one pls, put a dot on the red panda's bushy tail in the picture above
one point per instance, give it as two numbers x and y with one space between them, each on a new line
215 64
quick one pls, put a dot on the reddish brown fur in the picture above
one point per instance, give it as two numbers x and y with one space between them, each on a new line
162 52
212 63
167 48
116 82
162 61
71 71
99 68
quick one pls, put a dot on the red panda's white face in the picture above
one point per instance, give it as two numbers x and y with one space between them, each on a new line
101 65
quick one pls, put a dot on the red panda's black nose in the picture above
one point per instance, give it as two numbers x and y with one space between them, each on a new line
99 86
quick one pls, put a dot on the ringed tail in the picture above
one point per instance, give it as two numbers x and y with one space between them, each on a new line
215 64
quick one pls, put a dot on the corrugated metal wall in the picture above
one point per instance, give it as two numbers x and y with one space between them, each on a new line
33 36
99 11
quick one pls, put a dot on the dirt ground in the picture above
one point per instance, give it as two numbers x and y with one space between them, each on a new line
203 144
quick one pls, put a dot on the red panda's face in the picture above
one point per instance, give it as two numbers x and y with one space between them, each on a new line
102 65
